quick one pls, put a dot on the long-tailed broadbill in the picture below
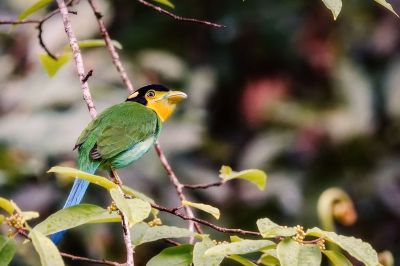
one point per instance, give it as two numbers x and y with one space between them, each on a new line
121 135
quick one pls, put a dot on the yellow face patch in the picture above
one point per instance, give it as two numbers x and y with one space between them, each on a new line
163 102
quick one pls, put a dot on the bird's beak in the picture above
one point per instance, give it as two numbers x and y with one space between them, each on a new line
176 96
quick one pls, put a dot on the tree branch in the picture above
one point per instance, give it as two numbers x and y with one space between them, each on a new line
203 186
178 186
77 57
200 221
110 47
78 258
92 109
194 20
125 223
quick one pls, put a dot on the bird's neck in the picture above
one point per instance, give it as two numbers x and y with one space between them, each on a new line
162 109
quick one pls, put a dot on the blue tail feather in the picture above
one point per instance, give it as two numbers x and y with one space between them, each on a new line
74 198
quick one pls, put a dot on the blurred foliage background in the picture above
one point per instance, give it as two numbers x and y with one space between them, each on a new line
283 88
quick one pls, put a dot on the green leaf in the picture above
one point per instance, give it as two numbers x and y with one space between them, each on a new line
255 176
166 3
270 229
7 250
2 218
135 209
51 65
360 250
140 195
6 205
337 258
48 252
386 5
241 247
97 43
174 256
291 253
334 6
92 43
269 259
29 215
33 8
72 172
199 259
143 233
204 207
242 260
75 216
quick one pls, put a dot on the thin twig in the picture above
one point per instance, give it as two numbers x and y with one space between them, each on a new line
41 42
78 258
39 27
125 223
92 110
110 47
178 186
78 57
17 22
194 20
200 221
203 186
88 75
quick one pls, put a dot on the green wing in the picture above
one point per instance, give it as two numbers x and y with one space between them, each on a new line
119 128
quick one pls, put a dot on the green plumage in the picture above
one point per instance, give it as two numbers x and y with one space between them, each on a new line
120 129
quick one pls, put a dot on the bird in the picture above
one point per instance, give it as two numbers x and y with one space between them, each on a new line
120 135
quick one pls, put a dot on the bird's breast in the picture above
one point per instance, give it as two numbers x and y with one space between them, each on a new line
135 152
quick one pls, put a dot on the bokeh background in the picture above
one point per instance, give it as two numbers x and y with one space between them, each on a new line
283 88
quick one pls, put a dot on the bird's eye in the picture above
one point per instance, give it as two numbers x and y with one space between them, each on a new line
150 94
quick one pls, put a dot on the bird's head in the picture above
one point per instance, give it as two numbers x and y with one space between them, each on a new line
158 98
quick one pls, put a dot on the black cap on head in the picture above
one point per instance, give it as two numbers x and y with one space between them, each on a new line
138 95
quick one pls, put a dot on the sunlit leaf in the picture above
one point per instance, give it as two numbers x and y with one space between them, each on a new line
387 5
241 260
166 3
204 207
235 239
334 6
92 43
33 8
51 65
72 172
240 247
270 229
6 205
29 215
291 253
140 195
177 256
143 233
255 176
199 259
268 259
135 209
7 250
360 250
75 216
48 252
337 258
97 43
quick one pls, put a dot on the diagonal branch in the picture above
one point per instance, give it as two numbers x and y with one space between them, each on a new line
77 57
92 109
176 17
204 222
84 259
113 52
178 186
